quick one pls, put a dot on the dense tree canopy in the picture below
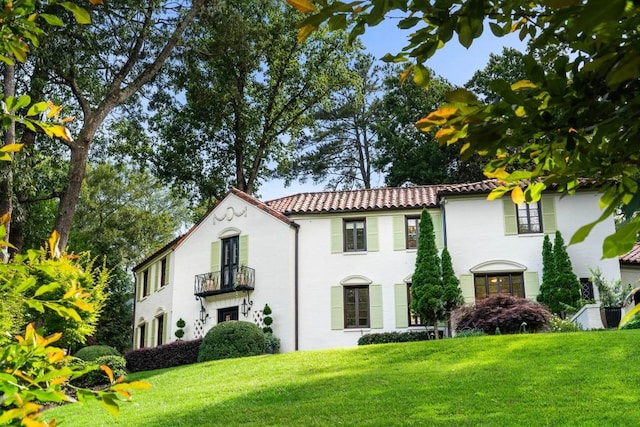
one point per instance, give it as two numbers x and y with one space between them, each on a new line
573 121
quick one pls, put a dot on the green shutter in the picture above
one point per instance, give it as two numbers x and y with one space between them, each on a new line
510 216
156 276
402 305
372 234
167 278
531 284
165 332
436 218
336 236
154 328
399 240
215 256
337 308
244 251
467 288
139 287
375 306
547 204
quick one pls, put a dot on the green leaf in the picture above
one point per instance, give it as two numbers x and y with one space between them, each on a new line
496 29
421 75
46 288
465 33
621 241
110 405
81 14
337 22
37 108
628 69
462 96
36 305
52 19
407 23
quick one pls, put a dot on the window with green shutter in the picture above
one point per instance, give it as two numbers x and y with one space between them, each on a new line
375 306
401 305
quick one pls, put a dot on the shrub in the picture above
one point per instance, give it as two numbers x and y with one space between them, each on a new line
388 337
177 353
634 323
506 314
558 324
98 376
268 320
232 339
271 343
92 352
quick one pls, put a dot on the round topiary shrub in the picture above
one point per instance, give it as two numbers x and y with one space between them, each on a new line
92 352
504 314
98 376
232 339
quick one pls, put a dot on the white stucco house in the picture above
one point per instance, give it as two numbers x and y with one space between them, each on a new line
336 265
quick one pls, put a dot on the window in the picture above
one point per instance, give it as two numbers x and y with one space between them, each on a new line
160 330
412 228
226 314
355 235
356 306
529 218
229 261
145 283
142 333
163 272
414 318
494 284
586 289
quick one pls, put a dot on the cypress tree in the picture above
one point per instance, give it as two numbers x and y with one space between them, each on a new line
566 282
547 287
452 294
427 289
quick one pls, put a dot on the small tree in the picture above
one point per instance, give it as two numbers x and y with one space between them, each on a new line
427 288
452 294
547 286
566 283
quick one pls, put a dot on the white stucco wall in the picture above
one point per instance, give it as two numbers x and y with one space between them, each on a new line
475 234
630 275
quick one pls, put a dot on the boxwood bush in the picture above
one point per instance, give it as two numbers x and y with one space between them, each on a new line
92 352
504 314
232 339
165 356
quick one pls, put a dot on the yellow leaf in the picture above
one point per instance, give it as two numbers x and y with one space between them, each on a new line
303 6
520 111
517 195
500 173
6 217
305 32
54 110
83 306
68 119
95 2
107 370
53 241
523 84
11 148
443 113
405 74
134 385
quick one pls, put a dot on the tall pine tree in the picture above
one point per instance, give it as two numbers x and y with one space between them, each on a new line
547 287
452 294
566 282
427 288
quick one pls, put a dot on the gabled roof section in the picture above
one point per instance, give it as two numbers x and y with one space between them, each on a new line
416 197
631 257
169 246
261 205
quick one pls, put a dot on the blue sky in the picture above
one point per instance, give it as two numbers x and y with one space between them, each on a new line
453 62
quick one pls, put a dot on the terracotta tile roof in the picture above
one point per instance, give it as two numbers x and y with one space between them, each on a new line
374 199
631 257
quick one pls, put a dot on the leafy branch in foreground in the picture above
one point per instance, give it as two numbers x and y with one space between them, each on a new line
566 127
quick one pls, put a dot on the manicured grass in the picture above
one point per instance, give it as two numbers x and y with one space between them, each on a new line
572 379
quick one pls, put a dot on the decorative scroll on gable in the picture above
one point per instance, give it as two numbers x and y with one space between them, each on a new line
229 214
498 266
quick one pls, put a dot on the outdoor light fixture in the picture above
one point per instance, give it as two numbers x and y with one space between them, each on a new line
246 306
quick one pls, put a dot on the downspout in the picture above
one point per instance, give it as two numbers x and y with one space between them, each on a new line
295 284
443 202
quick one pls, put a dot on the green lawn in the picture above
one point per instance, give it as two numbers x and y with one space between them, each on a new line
576 379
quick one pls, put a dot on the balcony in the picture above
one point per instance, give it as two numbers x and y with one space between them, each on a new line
226 281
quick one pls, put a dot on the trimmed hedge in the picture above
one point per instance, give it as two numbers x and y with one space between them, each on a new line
177 353
388 337
232 339
92 352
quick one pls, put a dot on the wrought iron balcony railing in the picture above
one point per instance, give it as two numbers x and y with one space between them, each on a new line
227 280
